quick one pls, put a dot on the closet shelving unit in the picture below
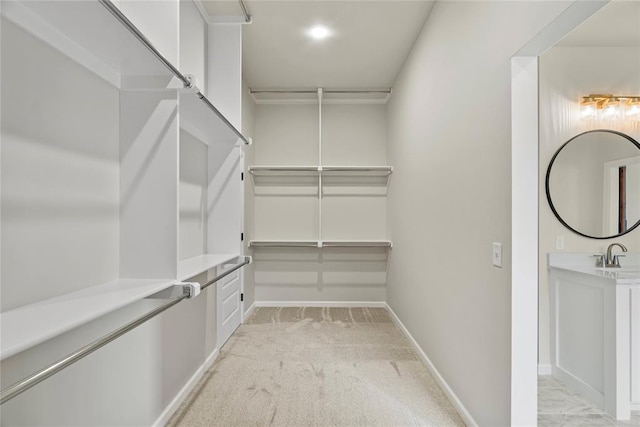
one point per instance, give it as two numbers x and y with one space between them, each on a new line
321 175
96 35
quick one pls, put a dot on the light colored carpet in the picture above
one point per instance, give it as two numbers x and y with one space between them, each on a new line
317 367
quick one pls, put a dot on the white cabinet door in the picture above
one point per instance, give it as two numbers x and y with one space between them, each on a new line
635 348
228 313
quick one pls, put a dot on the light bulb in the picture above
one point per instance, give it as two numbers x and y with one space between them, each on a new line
588 109
632 112
611 109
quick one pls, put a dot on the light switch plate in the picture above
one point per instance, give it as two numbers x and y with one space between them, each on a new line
497 254
560 243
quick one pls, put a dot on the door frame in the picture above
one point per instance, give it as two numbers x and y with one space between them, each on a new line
524 208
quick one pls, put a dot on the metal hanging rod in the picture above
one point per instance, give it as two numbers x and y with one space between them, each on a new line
315 91
222 117
36 378
247 260
356 243
144 40
388 169
245 12
188 83
284 244
284 168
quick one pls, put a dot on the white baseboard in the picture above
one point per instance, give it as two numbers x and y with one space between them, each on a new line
577 385
374 304
184 392
249 311
210 360
457 404
544 369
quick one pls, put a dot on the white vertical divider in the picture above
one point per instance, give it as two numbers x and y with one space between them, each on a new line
224 188
319 167
193 150
224 86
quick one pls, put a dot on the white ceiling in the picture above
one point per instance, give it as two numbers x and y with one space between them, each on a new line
371 40
616 24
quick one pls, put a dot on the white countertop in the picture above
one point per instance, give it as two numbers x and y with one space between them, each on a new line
628 274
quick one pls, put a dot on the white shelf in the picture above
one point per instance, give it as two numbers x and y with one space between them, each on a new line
320 243
33 324
329 96
314 170
191 267
283 243
283 170
357 170
90 33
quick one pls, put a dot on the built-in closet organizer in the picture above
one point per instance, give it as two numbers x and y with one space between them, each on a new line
119 180
320 181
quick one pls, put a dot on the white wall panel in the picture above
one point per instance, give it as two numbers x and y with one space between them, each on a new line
355 217
286 217
286 135
158 21
193 196
224 70
148 184
60 184
354 135
330 275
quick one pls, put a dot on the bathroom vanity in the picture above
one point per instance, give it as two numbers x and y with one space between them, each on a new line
595 329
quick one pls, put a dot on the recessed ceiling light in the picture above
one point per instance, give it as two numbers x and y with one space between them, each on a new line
319 32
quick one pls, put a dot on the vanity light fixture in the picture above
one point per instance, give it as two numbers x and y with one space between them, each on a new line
610 107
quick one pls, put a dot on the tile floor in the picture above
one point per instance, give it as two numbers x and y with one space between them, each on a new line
559 406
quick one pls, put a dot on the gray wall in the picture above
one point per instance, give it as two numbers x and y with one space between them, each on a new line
449 141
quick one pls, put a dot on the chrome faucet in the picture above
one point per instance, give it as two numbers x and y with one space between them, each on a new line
614 260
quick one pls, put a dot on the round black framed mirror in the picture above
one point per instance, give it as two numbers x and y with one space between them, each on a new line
593 184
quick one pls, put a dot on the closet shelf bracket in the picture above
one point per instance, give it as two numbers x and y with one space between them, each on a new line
180 289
